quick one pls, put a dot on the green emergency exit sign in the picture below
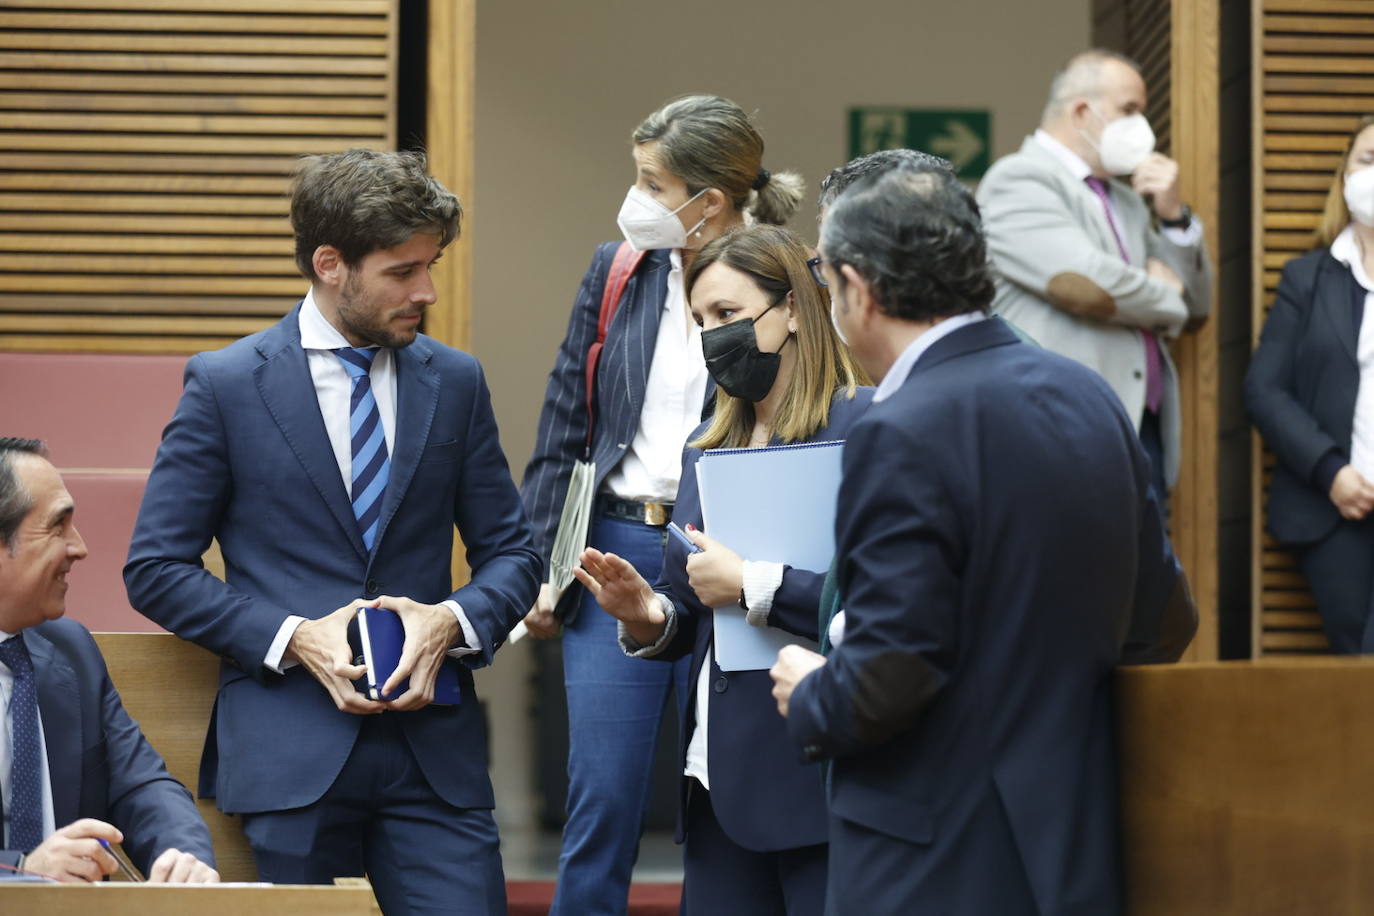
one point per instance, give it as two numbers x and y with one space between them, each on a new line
964 137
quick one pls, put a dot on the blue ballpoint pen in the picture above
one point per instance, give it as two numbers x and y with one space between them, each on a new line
681 535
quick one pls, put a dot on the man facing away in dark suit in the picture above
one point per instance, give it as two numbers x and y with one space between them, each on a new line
69 753
999 551
331 456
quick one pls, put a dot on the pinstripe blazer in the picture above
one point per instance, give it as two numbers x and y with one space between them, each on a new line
621 379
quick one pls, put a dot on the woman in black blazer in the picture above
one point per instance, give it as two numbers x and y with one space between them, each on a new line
1310 393
755 839
698 173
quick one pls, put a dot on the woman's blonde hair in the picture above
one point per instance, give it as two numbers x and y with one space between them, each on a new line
1336 215
775 260
709 142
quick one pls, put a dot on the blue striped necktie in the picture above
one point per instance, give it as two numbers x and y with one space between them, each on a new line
371 465
25 808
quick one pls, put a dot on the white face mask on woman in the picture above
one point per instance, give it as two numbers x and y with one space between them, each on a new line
647 224
1125 143
1359 195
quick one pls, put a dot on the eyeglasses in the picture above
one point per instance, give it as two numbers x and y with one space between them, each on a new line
815 265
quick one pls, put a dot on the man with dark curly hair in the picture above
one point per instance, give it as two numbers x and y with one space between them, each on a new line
999 551
332 456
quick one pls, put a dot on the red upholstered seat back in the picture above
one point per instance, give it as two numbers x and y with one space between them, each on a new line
102 416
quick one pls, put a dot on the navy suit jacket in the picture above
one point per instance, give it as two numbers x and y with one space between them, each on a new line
763 795
246 461
621 379
999 551
99 763
1300 390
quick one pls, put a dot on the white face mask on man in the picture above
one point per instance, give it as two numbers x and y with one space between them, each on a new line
647 224
1125 143
1359 195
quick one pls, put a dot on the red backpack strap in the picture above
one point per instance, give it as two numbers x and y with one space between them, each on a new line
623 266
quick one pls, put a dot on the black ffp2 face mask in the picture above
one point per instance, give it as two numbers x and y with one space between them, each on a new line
735 362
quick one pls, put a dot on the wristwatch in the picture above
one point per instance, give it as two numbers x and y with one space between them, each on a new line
743 605
1185 219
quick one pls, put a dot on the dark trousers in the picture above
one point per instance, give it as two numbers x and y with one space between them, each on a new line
1152 439
975 870
1340 571
381 818
722 878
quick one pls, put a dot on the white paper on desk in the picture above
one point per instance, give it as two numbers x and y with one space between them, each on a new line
774 504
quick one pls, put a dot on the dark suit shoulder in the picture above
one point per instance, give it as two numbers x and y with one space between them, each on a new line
444 356
1303 270
64 631
72 640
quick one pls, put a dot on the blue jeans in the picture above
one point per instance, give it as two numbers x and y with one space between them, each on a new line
614 706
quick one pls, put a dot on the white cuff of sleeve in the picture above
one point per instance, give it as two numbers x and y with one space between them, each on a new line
761 581
278 648
634 649
1186 237
469 634
836 628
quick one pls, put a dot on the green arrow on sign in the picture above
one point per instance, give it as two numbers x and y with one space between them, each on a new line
964 137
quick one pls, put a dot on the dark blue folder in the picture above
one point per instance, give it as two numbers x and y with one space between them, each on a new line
380 636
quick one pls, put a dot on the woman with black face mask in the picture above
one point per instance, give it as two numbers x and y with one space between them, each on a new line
753 817
698 173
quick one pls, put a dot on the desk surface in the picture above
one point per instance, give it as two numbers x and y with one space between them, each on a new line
118 899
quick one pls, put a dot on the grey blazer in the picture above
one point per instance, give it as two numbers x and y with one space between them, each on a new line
1061 278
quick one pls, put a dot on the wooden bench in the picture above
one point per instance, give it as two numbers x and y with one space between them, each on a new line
168 686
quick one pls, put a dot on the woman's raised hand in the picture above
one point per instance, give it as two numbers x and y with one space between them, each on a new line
622 592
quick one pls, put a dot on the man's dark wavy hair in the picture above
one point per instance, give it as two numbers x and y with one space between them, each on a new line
916 236
841 177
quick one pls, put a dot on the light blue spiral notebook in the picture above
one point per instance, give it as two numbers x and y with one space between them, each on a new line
775 504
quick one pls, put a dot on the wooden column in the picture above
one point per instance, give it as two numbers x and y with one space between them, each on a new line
1194 76
449 139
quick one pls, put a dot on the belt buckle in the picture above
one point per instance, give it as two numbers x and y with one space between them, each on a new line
655 514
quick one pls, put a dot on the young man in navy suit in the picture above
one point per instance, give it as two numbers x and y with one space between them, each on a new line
999 551
74 768
332 456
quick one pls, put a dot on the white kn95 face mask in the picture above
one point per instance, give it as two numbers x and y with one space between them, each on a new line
1125 143
647 224
1359 195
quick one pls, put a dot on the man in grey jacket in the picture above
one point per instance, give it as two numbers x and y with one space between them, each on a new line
1097 255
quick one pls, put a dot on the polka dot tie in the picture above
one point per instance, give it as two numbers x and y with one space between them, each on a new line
25 804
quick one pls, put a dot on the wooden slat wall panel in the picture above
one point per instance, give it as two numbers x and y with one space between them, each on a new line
1313 78
145 152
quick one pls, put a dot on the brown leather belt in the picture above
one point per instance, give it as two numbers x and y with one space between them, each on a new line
656 514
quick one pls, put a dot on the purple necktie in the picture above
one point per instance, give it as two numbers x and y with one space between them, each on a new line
1154 368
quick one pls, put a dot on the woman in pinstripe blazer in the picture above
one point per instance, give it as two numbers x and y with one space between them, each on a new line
699 171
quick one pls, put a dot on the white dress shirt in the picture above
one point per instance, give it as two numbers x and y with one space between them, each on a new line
673 397
7 742
1346 249
1185 237
334 391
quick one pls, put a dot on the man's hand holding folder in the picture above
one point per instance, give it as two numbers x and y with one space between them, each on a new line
322 648
430 631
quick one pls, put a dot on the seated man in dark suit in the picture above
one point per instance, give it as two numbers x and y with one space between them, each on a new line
999 550
69 753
